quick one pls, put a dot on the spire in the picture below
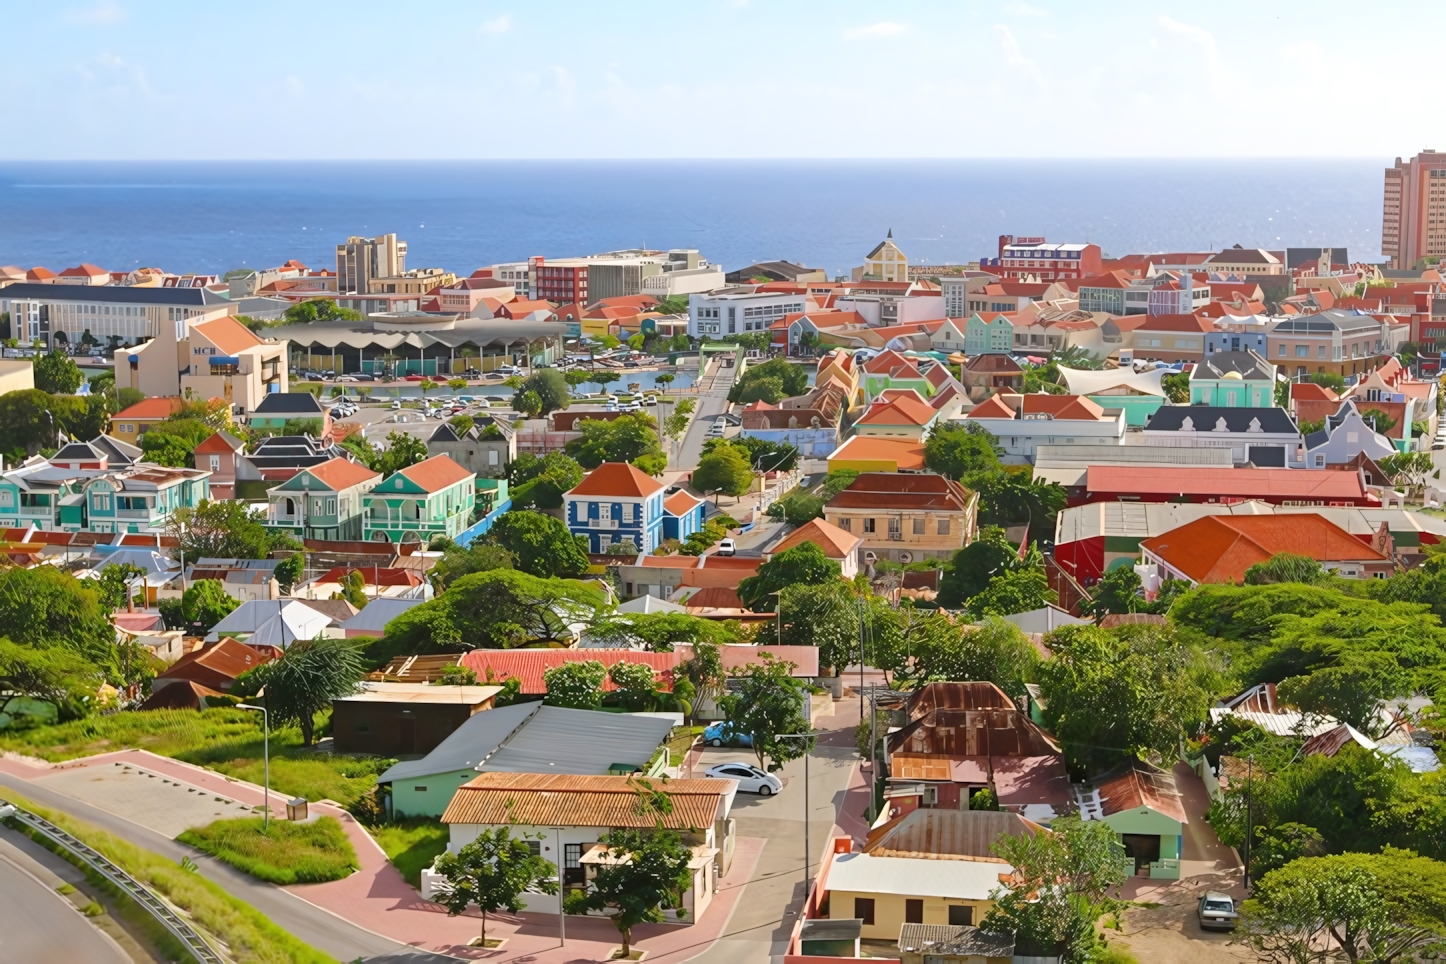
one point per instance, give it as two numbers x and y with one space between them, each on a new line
891 234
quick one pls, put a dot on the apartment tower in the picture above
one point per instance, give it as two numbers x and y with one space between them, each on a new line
1413 219
362 259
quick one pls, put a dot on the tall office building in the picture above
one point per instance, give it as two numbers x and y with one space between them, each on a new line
362 259
1413 218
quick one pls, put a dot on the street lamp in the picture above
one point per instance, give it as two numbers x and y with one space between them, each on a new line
778 613
266 756
561 886
807 812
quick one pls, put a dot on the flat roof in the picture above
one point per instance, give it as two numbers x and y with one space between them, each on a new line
910 876
420 693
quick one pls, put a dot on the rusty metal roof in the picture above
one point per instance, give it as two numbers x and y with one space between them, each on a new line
963 732
979 695
564 800
946 834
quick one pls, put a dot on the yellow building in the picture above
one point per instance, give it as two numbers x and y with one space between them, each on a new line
888 892
905 518
418 281
16 374
885 263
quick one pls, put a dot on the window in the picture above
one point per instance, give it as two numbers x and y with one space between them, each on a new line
913 911
918 527
1282 351
215 463
1320 461
864 909
943 527
1302 351
1320 351
846 524
420 789
961 916
868 525
491 456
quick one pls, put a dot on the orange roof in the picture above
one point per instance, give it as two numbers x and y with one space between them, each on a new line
680 502
436 473
835 542
1166 481
901 410
563 800
670 562
1220 548
715 597
1311 392
617 478
339 473
1177 323
905 454
159 408
373 575
527 666
38 273
229 335
83 271
991 407
220 442
1063 406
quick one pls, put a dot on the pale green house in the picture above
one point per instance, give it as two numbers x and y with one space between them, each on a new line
984 337
324 501
1233 379
1143 805
435 497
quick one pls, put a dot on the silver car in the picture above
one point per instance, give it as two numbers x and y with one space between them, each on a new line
1217 911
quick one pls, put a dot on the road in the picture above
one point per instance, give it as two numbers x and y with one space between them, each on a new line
764 917
712 401
42 927
308 923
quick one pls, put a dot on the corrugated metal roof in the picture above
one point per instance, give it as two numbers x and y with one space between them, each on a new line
560 740
549 799
946 834
962 732
468 745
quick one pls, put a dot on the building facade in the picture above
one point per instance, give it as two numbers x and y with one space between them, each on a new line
1036 257
906 518
323 501
728 311
1335 341
359 260
1413 210
616 503
1233 379
435 497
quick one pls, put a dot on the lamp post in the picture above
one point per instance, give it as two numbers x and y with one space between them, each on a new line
561 887
807 849
266 756
778 613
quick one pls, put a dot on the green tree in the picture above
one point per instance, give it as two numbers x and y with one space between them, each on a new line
220 530
115 580
1007 498
762 454
996 651
205 603
648 875
628 438
972 567
1409 470
1112 694
307 677
480 556
636 685
456 676
492 872
289 572
704 672
770 381
54 675
57 374
659 632
500 609
353 589
541 482
676 423
31 420
797 507
551 388
1331 380
576 685
956 449
1061 886
804 564
402 451
47 607
539 544
726 470
319 309
1018 590
1118 591
823 614
767 702
528 403
1177 388
163 448
1382 422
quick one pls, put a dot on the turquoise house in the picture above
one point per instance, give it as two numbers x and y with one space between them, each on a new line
1137 408
323 501
1233 379
982 337
435 497
1143 805
142 498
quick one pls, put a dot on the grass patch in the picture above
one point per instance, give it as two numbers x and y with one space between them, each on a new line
412 844
251 937
226 740
283 853
680 741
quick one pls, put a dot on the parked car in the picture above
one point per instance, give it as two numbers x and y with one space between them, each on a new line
727 547
1217 911
750 778
396 403
721 734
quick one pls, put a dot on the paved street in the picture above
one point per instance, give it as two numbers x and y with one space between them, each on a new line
712 401
42 927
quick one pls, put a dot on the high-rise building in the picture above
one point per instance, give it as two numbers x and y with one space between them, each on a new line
360 260
1413 211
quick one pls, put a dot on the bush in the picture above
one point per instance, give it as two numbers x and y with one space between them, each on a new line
412 844
282 853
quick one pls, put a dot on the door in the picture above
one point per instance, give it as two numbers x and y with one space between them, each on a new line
572 869
406 735
1143 848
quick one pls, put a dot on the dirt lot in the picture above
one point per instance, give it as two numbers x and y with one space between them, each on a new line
1169 933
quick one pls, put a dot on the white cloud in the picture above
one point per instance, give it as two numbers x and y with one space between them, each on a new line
104 12
1199 35
496 25
1014 55
1020 9
882 29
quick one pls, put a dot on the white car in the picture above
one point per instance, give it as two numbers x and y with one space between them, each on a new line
750 778
396 403
727 547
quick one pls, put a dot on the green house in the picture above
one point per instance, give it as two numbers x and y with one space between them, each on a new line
1143 805
984 337
1233 379
432 498
323 502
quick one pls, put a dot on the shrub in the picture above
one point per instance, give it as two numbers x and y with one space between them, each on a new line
282 853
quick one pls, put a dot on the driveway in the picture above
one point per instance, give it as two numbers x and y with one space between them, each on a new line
1167 931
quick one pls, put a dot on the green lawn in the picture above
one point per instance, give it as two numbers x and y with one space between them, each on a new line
680 741
412 844
226 740
283 853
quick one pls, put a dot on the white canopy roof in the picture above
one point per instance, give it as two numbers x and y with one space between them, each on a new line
1082 381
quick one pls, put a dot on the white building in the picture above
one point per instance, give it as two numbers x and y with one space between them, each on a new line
1022 423
728 311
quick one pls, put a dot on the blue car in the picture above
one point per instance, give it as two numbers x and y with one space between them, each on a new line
723 734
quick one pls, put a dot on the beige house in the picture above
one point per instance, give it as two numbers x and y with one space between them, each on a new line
885 263
418 281
205 359
16 374
906 517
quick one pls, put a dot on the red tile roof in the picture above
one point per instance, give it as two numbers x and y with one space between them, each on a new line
1311 392
617 478
922 491
680 502
907 409
436 473
339 473
528 665
906 454
1176 323
1138 784
835 542
373 575
1325 485
159 408
217 665
1218 549
229 335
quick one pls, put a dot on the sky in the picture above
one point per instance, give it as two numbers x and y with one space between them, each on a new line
180 80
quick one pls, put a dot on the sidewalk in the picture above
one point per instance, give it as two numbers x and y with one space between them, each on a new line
379 900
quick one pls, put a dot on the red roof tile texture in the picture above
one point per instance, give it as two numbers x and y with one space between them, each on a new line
528 665
617 478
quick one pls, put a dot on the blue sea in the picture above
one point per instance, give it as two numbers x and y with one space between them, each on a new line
212 217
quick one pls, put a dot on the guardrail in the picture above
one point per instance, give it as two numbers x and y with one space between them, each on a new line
199 948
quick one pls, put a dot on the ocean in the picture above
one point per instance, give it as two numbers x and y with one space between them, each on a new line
212 217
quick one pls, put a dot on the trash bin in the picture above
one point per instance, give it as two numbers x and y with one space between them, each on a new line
296 809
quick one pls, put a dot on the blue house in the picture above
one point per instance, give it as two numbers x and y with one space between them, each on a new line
682 515
616 503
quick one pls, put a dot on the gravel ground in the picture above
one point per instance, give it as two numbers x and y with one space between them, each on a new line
1170 934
